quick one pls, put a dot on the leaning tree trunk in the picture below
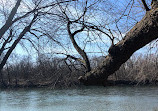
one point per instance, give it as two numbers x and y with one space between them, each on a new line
141 34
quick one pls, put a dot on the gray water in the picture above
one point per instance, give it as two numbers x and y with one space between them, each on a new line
81 99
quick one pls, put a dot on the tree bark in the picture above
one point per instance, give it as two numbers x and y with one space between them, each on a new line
141 34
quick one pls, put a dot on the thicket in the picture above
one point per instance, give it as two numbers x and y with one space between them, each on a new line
139 70
60 72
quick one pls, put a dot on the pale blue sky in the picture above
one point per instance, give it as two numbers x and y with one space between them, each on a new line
93 46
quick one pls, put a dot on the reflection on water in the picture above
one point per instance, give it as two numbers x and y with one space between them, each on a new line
83 99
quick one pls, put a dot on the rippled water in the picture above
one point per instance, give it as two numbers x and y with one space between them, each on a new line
81 99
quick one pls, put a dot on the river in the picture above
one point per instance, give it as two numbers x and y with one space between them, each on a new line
80 99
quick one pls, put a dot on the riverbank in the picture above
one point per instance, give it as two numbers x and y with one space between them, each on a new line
75 84
56 73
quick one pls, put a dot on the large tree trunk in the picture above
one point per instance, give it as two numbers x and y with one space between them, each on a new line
141 34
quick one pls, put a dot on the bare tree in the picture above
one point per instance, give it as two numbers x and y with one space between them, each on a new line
61 20
77 23
141 34
18 24
17 21
13 12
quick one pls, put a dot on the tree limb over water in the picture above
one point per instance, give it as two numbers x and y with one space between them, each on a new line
141 34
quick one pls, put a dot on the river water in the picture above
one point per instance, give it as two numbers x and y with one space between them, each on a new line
80 99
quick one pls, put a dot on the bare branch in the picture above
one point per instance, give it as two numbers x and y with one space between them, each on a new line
72 57
77 31
145 5
25 30
8 23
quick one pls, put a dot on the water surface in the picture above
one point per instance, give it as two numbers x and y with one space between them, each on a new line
81 99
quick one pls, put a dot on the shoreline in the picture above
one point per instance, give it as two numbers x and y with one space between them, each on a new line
111 83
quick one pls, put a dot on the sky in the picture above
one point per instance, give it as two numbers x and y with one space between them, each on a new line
81 38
